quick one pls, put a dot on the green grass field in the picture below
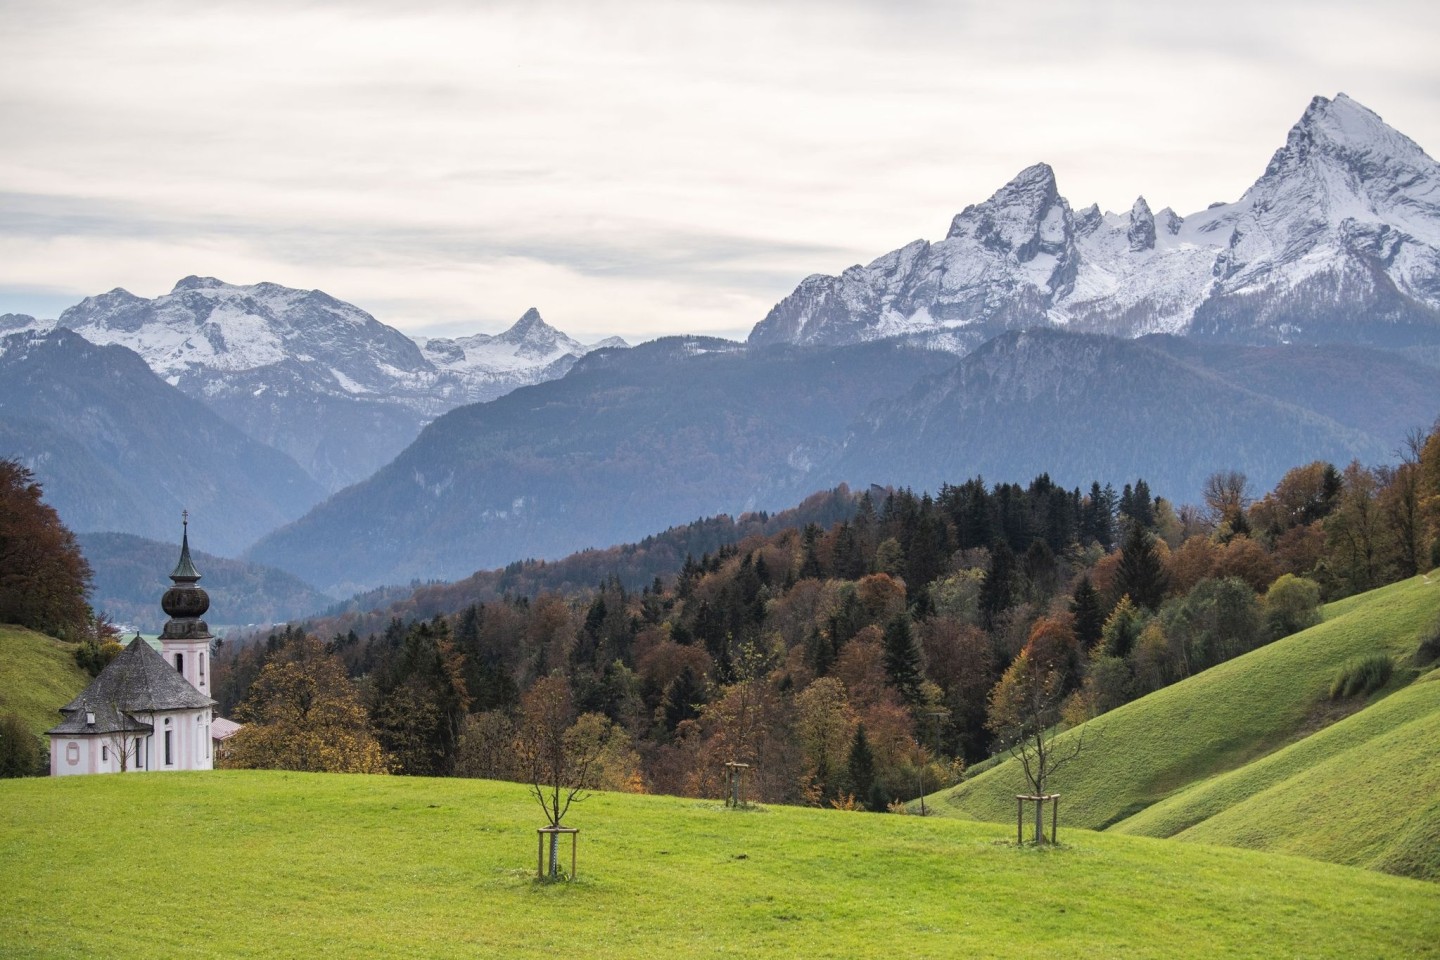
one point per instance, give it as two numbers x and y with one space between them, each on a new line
244 865
38 675
1209 749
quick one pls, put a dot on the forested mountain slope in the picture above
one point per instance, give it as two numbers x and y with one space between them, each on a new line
117 448
629 442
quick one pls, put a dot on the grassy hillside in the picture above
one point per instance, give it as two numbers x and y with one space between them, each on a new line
1216 721
1364 792
38 675
290 865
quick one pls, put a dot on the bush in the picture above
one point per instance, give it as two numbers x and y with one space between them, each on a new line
1361 676
20 750
1429 650
1291 604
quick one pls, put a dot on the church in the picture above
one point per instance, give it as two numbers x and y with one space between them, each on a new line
149 710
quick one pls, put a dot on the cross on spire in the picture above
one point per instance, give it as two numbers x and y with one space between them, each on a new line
185 571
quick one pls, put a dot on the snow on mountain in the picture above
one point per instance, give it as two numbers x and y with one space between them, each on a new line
1338 239
530 347
316 377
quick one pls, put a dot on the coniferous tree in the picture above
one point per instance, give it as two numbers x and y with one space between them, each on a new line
997 593
1089 617
1141 574
903 663
682 699
861 767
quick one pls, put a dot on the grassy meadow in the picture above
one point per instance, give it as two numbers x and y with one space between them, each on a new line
38 675
244 864
1254 753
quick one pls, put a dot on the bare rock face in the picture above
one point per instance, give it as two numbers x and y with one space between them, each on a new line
1338 240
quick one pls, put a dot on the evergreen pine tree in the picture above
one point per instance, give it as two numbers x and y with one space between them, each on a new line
861 767
997 593
1142 505
682 699
903 663
1141 575
1089 618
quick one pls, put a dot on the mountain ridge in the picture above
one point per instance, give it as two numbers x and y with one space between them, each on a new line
1338 239
276 360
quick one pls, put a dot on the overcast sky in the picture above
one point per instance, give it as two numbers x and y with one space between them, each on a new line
628 167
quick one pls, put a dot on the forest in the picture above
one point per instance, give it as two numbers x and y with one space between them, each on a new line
856 662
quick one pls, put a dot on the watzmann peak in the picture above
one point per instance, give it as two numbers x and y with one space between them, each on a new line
1339 239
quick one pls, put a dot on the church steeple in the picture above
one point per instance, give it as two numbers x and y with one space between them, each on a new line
185 642
185 571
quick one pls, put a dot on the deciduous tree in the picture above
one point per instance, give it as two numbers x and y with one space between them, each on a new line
303 713
1026 716
44 578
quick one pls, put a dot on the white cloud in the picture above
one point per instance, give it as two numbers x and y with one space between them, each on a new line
628 167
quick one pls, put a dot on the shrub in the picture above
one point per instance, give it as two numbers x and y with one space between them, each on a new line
1429 650
1291 604
1361 676
21 753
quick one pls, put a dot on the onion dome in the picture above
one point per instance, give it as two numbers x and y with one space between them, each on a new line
186 601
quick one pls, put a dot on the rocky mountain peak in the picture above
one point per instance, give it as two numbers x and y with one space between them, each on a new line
193 282
1348 144
1141 232
530 328
1015 213
1348 209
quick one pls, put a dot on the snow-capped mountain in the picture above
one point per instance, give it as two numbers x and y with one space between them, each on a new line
313 376
1339 239
529 352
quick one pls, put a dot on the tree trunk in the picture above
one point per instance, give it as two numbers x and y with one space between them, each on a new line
554 856
1039 819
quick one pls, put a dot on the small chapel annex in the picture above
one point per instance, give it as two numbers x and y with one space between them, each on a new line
148 710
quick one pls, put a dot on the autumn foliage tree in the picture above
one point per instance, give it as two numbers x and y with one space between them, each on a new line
304 713
43 575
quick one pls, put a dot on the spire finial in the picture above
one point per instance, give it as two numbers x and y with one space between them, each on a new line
185 571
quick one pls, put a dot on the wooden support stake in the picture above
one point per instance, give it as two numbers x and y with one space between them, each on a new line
540 855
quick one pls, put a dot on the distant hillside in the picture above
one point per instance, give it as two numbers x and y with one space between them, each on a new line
1243 716
117 448
131 574
382 867
635 565
38 676
1080 406
630 441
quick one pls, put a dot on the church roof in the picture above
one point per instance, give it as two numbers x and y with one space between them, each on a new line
107 719
138 680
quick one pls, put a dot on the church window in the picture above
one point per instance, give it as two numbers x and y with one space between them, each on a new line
169 756
138 761
202 667
72 753
180 662
104 753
